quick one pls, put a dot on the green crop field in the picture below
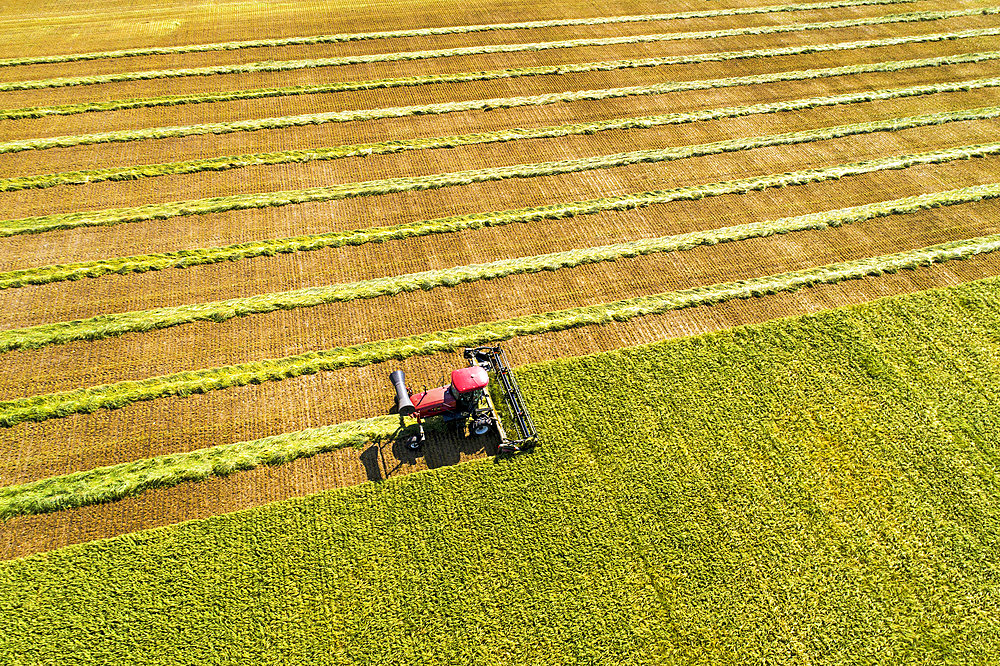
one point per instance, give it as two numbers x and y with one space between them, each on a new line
812 490
743 254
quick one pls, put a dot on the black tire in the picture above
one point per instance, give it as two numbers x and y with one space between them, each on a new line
480 426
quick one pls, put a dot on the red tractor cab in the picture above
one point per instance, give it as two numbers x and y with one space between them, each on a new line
468 398
460 397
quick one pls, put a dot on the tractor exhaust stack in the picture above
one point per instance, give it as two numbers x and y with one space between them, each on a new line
403 403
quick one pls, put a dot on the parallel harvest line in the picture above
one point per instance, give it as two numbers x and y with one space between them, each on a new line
163 211
107 484
312 63
109 325
454 224
114 396
400 145
427 32
347 86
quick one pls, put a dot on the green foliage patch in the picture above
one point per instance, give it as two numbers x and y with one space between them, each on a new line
813 490
816 490
115 396
428 32
483 49
474 544
108 325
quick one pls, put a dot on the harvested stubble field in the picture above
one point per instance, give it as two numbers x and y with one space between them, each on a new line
210 242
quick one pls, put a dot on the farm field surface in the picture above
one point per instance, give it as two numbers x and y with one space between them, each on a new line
222 224
819 489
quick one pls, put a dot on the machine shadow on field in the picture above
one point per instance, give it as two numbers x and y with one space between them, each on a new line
445 445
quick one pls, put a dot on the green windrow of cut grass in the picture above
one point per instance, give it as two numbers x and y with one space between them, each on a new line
200 256
163 211
401 145
428 32
812 490
112 483
107 484
115 396
290 65
109 325
446 107
319 118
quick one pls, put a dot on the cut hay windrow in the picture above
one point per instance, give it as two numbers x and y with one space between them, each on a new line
163 211
313 63
348 86
109 325
400 145
454 224
114 396
429 32
107 484
433 109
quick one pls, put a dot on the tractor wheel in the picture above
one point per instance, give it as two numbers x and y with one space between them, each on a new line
481 426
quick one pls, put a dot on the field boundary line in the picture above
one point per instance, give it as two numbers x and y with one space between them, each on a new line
115 396
392 146
163 211
353 86
114 482
428 32
111 325
290 65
